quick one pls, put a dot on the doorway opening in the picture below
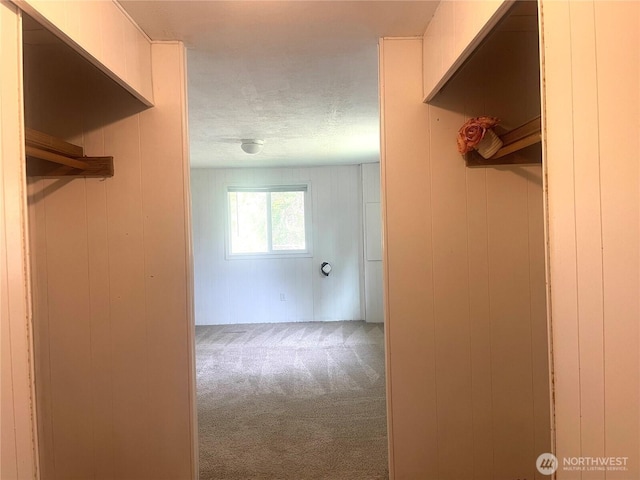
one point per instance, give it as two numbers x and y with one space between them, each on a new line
290 374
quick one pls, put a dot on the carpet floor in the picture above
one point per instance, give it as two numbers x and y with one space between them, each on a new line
296 401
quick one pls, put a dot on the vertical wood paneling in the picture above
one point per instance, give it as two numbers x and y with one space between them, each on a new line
223 286
502 79
372 226
486 299
322 196
168 325
53 10
204 213
112 27
538 311
373 288
432 53
374 292
480 328
593 224
62 320
69 335
114 321
474 94
558 103
130 363
508 251
370 182
587 217
38 239
451 309
17 433
137 53
88 32
448 42
100 310
618 73
410 329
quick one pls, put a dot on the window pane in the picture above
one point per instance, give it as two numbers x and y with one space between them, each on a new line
248 222
287 221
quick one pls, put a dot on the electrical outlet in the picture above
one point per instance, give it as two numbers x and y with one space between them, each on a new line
283 298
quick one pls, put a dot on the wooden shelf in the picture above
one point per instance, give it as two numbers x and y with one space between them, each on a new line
521 137
49 156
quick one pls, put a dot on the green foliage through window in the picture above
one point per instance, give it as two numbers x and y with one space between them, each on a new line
267 220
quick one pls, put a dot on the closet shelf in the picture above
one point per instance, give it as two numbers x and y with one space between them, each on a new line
521 137
48 156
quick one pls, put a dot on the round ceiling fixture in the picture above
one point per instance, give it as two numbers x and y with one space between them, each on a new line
252 146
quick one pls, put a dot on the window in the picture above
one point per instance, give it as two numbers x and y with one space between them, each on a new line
269 220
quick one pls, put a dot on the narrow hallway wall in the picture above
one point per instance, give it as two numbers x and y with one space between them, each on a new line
592 83
19 453
111 267
465 287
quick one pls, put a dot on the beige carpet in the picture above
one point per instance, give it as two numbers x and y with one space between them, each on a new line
292 401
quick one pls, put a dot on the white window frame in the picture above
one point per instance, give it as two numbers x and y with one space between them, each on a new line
308 221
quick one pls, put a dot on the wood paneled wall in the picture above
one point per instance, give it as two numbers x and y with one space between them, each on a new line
17 442
464 277
112 275
248 290
592 105
101 31
372 225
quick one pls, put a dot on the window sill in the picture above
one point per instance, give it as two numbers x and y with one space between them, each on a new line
267 256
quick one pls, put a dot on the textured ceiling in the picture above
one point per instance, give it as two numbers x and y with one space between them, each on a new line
300 75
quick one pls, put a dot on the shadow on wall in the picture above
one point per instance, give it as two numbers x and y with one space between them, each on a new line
58 80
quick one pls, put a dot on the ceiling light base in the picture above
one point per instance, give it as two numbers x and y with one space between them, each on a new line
252 146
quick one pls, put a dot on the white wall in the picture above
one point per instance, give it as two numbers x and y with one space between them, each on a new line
248 290
372 230
591 68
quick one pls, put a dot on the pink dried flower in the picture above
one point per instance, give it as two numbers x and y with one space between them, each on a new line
472 132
